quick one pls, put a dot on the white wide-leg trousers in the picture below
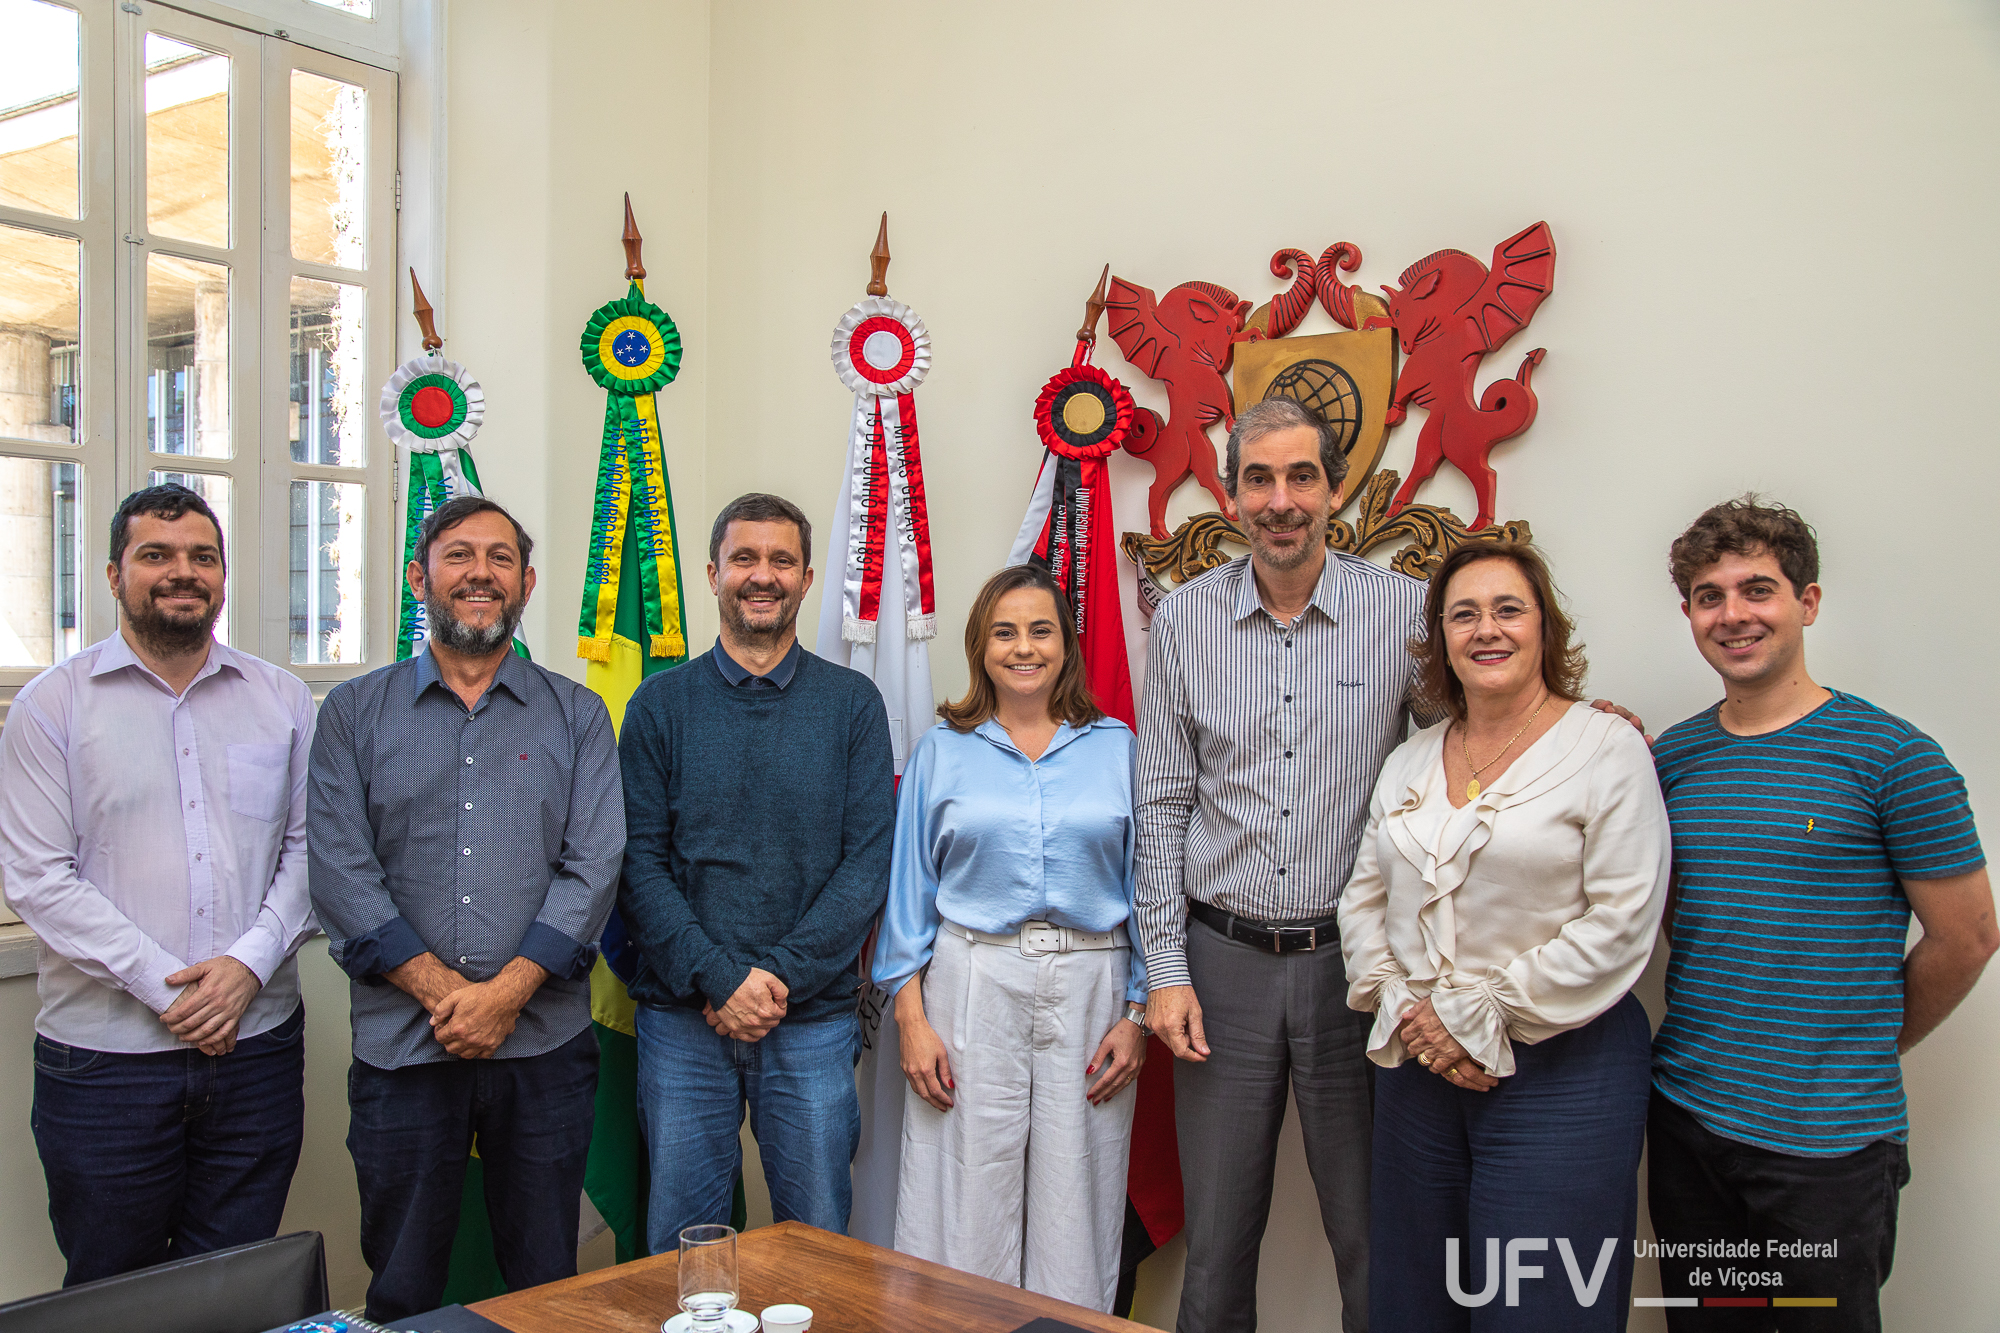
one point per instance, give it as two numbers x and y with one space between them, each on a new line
1023 1180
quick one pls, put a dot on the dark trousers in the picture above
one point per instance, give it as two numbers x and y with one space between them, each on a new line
167 1154
1274 1022
1703 1187
1549 1158
410 1132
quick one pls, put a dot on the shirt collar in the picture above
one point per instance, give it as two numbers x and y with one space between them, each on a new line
508 677
997 734
1326 593
115 654
738 675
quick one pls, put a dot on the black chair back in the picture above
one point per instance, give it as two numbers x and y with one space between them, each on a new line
248 1289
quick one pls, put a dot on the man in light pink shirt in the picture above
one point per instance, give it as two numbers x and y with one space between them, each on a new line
152 832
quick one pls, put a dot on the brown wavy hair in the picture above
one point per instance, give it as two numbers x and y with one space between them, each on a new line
1563 664
1747 526
1070 702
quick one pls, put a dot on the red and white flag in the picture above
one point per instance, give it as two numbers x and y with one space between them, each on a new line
880 623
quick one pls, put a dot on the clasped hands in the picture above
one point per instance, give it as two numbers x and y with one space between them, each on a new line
757 1006
205 1015
1430 1045
470 1019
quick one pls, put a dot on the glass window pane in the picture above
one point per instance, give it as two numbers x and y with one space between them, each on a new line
38 96
187 357
215 490
187 141
329 150
359 8
328 417
41 550
327 599
40 306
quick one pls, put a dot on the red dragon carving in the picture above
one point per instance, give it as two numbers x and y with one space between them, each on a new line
1186 341
1448 314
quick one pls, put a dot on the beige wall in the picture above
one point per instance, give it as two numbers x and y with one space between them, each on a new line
1775 229
1776 271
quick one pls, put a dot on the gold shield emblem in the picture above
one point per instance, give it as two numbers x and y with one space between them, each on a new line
1345 379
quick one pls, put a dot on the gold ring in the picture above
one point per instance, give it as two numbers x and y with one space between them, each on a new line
1424 1059
1452 1073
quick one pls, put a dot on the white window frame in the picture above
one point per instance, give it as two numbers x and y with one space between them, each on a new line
114 250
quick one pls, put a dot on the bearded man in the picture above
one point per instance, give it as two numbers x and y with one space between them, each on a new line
760 806
1275 687
153 807
466 825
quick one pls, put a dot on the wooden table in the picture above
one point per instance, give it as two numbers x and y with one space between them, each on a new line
851 1286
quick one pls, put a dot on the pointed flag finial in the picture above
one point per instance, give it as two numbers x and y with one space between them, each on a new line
878 261
633 268
1093 309
421 308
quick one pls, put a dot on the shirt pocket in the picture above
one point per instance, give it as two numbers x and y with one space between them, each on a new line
260 780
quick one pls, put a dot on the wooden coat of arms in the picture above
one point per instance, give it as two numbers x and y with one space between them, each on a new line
1215 355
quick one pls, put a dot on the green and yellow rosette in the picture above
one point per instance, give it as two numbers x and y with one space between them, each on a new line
632 349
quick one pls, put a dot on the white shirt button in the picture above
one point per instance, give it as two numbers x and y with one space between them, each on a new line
468 805
466 852
468 759
466 899
462 958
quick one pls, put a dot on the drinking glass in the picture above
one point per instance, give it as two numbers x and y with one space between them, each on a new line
708 1276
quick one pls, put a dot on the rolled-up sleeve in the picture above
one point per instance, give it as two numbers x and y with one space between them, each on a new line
66 911
366 934
563 936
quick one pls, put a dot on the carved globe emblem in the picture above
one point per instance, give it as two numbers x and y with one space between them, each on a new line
1325 390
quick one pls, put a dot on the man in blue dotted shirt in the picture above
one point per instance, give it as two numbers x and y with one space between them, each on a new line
466 824
1808 824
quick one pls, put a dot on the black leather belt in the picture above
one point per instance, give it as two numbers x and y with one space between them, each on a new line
1299 937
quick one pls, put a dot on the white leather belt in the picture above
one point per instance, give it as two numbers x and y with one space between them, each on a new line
1042 937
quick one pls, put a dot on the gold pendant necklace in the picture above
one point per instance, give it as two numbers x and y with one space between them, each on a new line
1472 788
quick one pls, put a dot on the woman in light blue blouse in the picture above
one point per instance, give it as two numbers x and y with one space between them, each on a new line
1020 1001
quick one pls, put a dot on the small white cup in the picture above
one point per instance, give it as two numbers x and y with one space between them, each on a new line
786 1319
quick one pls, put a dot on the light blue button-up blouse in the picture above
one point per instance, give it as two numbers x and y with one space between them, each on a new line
989 839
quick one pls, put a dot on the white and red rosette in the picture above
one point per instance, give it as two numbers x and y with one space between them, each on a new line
431 405
881 348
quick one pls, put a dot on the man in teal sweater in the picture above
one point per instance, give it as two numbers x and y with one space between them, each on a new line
759 810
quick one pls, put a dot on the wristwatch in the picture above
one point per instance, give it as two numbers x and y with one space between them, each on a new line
1136 1013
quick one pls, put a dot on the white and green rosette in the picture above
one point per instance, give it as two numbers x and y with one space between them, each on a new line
433 408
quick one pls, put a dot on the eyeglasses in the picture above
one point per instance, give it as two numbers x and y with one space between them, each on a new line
1465 619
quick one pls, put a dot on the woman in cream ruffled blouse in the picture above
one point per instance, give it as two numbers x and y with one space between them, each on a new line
1505 899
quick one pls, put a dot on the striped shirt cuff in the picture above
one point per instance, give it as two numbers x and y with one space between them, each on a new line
1167 969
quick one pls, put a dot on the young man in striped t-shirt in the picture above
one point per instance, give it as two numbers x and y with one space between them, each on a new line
1807 825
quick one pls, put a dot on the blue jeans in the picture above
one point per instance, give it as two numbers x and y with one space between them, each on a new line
168 1154
411 1130
799 1085
1549 1156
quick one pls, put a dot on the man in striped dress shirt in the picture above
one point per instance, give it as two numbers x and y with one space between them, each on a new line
1275 688
1807 824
